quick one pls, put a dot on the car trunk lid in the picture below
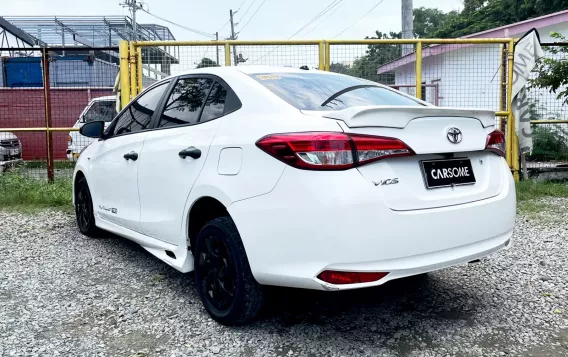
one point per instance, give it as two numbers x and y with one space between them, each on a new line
402 181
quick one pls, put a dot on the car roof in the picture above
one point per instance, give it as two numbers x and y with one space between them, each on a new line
106 97
250 69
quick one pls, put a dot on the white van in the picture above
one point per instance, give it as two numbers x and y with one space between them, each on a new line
102 108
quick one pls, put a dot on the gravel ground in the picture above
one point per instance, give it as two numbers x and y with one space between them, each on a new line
62 294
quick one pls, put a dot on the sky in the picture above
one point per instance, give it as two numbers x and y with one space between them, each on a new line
275 19
254 20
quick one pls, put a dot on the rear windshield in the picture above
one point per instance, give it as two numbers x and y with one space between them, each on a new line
307 91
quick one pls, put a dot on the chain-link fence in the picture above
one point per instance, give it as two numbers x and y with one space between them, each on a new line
550 139
41 110
46 95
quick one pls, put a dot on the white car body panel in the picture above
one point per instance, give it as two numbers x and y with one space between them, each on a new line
163 197
296 223
114 179
401 116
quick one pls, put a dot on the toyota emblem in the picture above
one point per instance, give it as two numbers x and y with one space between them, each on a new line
454 135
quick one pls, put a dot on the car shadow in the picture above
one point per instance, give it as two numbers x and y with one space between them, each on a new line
391 311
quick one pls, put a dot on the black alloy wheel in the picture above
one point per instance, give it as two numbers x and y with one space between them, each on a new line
223 276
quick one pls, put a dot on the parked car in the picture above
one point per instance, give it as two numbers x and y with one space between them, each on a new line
102 108
10 150
256 176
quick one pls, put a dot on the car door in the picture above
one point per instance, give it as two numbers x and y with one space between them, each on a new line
114 161
175 152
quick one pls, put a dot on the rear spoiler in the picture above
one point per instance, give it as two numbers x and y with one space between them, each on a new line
400 116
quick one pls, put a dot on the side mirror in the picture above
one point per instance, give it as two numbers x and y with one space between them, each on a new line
93 129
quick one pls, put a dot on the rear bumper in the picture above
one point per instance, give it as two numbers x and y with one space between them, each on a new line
315 221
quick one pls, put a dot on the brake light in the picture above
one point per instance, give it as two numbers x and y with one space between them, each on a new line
496 142
69 140
330 151
346 277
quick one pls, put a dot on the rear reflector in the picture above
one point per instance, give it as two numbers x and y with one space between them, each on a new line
496 142
345 277
330 151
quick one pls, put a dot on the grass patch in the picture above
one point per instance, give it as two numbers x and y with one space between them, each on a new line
531 190
23 193
531 199
58 165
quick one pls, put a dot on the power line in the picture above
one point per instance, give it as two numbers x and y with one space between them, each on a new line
202 33
361 18
326 9
241 5
248 8
245 25
226 23
338 5
321 13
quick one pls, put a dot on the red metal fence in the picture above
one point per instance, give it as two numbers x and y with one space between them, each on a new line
48 88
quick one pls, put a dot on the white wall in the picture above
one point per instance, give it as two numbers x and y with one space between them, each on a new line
469 76
466 77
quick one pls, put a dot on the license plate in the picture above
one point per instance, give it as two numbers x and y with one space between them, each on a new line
14 152
445 173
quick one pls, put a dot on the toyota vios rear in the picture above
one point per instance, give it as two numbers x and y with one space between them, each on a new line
256 176
397 190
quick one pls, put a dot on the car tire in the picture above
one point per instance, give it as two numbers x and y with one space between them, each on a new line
84 209
223 276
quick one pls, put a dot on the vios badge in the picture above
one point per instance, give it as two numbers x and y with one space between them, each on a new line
386 182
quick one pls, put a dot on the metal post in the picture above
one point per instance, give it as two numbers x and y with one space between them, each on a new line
407 17
227 54
134 25
124 74
322 59
217 47
233 37
139 84
502 83
327 56
419 70
132 62
47 100
512 141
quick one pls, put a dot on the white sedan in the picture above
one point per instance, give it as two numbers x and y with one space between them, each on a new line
255 176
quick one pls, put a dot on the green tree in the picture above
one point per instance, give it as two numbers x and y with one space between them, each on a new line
207 62
481 15
550 142
428 20
375 56
339 68
552 71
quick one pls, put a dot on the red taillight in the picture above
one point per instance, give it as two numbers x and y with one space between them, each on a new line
346 277
330 151
496 142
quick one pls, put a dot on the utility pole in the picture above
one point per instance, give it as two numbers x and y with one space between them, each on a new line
133 6
233 37
407 25
217 39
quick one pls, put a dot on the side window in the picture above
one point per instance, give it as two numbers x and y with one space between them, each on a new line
185 102
101 110
139 113
215 104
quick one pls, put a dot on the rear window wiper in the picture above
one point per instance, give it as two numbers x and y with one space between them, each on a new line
348 89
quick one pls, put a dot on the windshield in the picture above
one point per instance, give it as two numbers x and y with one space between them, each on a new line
101 110
307 91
